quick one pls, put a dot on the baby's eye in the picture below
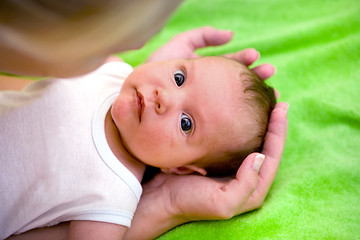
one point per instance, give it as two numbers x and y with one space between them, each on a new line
185 123
179 77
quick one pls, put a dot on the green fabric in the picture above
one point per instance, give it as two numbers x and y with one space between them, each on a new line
315 46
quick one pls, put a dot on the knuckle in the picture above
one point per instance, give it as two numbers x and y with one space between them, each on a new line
223 208
208 27
224 213
258 201
258 204
261 201
250 186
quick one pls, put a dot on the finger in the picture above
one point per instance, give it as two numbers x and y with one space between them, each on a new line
273 149
207 36
246 56
274 143
264 71
277 94
246 181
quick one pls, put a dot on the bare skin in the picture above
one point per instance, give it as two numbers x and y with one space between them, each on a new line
168 195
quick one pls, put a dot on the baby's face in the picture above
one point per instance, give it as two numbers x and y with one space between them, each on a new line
171 113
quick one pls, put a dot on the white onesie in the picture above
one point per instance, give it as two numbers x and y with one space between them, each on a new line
55 164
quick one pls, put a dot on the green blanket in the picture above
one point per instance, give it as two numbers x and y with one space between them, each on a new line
315 46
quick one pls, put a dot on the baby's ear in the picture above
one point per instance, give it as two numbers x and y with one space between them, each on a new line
187 169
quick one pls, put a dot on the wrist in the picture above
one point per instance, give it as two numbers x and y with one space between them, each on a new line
154 215
162 203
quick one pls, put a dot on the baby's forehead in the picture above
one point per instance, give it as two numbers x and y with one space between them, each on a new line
216 63
231 77
224 61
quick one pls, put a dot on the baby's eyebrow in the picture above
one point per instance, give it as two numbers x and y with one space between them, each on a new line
193 115
189 68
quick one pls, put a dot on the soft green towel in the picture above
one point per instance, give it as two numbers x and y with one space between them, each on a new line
315 46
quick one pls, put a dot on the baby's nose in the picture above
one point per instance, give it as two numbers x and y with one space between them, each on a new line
162 101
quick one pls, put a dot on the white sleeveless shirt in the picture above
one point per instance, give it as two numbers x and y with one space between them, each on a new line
55 163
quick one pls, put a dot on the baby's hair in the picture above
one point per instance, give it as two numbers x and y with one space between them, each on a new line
259 100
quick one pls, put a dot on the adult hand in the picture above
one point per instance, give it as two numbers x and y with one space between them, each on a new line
185 44
221 198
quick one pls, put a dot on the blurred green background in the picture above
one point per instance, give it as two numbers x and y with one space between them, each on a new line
315 46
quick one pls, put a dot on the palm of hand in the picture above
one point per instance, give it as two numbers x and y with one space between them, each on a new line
194 197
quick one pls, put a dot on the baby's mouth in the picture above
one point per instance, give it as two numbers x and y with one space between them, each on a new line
140 103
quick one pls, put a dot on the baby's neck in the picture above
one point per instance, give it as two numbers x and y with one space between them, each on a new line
117 147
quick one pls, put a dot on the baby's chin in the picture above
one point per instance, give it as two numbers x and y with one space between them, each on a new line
127 147
147 158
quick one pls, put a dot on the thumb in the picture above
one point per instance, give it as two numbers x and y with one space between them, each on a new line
250 167
246 180
256 160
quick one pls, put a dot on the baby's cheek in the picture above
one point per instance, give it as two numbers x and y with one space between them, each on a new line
159 138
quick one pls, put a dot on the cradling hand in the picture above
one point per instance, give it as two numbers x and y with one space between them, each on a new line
184 45
194 197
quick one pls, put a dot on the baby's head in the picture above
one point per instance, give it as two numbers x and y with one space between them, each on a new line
201 115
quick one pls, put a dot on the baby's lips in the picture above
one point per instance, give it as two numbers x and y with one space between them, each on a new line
140 104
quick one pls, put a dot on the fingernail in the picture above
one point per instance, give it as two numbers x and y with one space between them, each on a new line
275 70
229 31
258 161
286 107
